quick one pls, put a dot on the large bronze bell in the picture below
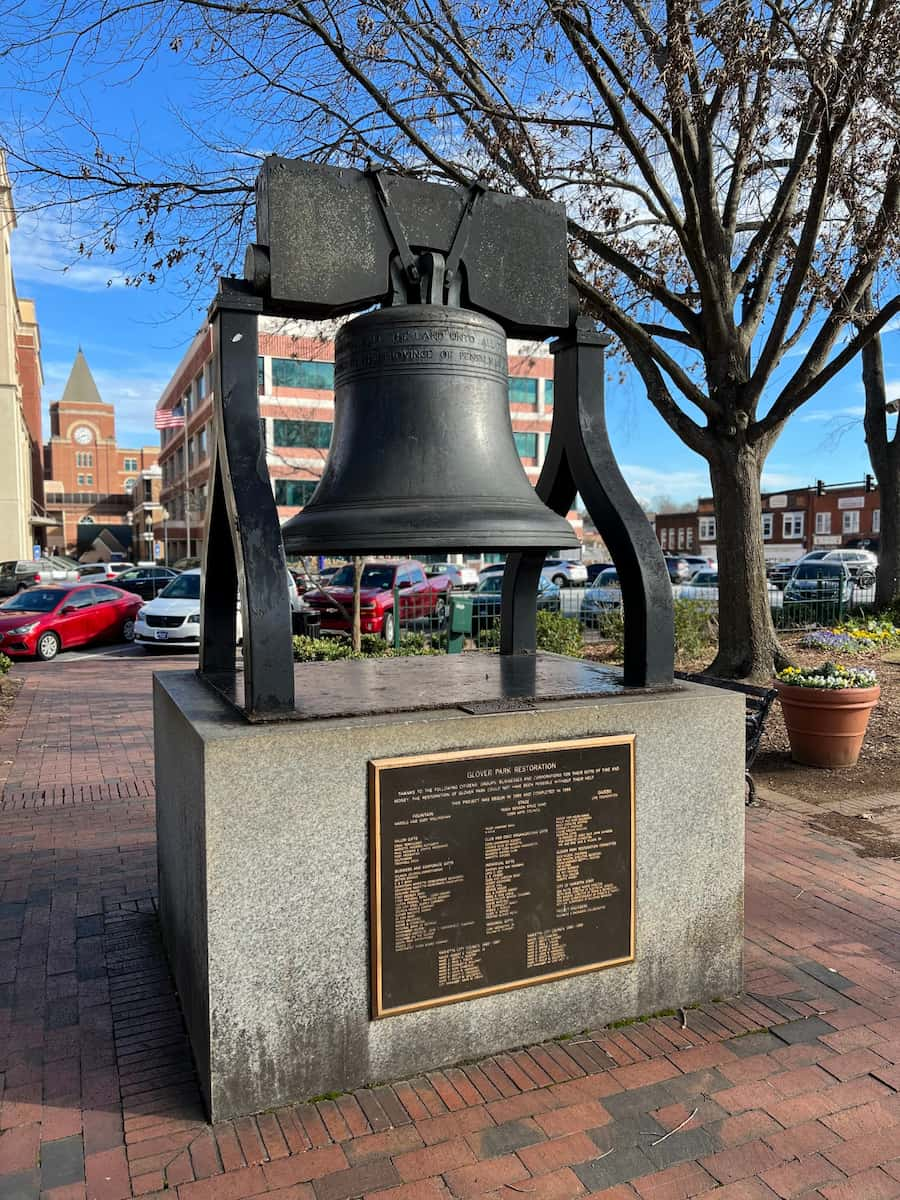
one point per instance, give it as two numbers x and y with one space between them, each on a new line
422 454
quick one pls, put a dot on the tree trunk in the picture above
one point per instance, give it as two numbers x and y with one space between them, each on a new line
748 647
884 454
355 628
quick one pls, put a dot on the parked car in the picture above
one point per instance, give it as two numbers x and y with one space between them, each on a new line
558 571
45 619
699 562
702 585
421 598
862 565
461 577
596 568
18 574
173 617
565 572
603 596
486 601
678 567
92 572
819 580
144 581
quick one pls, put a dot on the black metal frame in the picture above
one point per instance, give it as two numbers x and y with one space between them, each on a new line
243 552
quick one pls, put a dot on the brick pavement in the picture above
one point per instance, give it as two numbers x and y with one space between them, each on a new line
788 1091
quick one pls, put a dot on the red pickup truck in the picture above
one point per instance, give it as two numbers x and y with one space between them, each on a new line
421 598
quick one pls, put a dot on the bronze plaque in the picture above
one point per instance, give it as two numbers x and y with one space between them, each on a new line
495 869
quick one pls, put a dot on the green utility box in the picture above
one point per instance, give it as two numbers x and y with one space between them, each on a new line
460 623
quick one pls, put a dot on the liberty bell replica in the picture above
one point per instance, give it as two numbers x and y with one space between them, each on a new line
422 454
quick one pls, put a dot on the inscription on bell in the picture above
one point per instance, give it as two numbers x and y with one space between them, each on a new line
434 345
495 869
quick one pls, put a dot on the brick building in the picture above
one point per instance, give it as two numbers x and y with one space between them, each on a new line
22 520
296 399
793 522
89 478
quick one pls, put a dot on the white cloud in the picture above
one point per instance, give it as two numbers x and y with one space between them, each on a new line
683 486
848 412
45 250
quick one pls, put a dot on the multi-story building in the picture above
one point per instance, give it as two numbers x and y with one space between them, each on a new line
296 400
793 521
147 513
22 520
89 478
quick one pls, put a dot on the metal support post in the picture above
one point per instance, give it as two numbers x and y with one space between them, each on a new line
580 461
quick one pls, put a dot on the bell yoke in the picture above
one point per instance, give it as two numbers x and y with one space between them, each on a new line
422 456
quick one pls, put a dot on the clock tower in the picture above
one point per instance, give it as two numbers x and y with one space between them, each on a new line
89 478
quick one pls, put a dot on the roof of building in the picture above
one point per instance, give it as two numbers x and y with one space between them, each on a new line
80 386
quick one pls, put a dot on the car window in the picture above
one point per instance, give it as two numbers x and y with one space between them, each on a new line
182 587
133 574
416 575
102 595
706 578
819 570
82 597
35 599
492 584
7 568
608 578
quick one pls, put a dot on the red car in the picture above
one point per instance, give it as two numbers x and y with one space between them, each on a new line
43 620
421 598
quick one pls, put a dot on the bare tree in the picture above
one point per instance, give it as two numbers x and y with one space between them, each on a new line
717 164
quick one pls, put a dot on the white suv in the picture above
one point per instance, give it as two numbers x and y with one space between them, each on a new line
173 618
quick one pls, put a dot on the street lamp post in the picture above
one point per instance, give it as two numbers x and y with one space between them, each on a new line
165 520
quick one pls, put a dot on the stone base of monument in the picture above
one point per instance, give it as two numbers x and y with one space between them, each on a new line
306 897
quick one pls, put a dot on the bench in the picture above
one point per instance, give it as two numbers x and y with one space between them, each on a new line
757 702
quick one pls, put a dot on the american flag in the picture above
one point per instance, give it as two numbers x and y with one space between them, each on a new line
168 418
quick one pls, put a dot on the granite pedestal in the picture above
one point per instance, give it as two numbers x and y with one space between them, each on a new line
264 849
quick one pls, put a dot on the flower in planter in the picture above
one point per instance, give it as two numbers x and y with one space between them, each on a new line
828 675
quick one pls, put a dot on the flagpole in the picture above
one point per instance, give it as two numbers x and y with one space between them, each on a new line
187 511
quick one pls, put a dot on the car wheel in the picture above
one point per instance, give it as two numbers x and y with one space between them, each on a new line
128 630
48 646
440 611
387 628
21 587
559 580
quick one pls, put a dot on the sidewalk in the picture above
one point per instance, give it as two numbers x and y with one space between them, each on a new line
791 1089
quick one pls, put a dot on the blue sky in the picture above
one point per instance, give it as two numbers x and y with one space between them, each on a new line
134 338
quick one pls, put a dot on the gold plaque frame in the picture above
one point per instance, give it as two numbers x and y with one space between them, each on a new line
376 766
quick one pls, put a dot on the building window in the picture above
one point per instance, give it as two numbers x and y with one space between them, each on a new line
876 520
526 444
89 480
689 539
312 434
131 464
293 493
291 372
81 481
83 459
261 373
129 484
523 391
681 538
767 525
199 389
823 522
201 444
792 525
707 530
851 521
548 393
148 491
186 403
663 538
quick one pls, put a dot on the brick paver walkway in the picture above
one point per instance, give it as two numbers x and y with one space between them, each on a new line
790 1091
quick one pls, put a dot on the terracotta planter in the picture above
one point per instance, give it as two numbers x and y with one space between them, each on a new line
826 726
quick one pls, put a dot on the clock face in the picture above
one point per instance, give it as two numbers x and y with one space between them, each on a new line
83 435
